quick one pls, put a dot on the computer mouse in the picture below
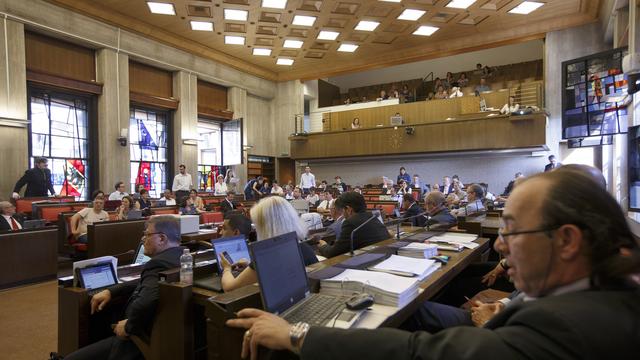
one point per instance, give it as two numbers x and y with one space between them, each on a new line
360 301
443 259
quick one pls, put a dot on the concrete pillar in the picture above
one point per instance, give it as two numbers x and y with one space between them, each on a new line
112 70
237 102
185 124
14 144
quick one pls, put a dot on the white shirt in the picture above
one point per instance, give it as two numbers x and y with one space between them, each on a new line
8 218
277 190
220 189
313 199
307 180
117 195
325 205
182 182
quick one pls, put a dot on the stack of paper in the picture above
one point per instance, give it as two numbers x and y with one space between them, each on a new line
419 250
466 240
418 267
386 289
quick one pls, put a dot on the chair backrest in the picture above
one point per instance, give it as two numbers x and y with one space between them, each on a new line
211 217
165 210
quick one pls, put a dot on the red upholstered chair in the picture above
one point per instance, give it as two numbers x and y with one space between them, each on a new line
77 246
50 214
371 206
211 217
387 208
165 210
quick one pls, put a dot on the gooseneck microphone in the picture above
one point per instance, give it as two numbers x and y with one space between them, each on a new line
374 216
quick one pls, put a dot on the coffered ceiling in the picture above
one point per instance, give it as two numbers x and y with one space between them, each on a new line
485 23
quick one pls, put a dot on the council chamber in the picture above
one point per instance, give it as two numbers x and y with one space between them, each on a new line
282 179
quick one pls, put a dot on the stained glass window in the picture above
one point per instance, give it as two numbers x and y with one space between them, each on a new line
148 139
59 132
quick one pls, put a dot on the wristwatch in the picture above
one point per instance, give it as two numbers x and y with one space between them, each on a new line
297 332
504 264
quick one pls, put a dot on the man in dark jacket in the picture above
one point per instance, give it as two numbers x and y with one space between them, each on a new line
37 179
575 269
8 218
412 209
439 215
355 214
161 243
226 205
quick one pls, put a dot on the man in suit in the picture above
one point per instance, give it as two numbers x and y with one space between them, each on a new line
9 221
355 214
411 209
161 244
37 179
447 185
511 184
226 205
553 163
439 215
575 270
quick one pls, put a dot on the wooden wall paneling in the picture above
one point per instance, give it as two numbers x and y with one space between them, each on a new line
59 58
328 94
148 80
212 98
286 171
479 133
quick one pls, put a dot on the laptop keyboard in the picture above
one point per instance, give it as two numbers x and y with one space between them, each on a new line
316 310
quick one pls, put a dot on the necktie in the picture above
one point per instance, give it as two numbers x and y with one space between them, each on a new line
14 224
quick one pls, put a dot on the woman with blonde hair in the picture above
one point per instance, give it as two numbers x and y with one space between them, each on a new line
272 216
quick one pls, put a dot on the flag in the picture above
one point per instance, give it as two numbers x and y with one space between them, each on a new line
146 141
144 175
74 178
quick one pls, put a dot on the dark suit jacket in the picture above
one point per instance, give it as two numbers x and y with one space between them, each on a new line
509 188
5 225
141 306
585 325
414 210
38 183
371 233
448 191
442 218
226 208
550 166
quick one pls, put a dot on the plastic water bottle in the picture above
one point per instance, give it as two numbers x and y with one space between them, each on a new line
186 267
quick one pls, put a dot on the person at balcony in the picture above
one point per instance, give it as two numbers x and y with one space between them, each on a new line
430 96
441 93
448 82
483 86
38 181
220 188
436 84
463 80
405 93
455 92
276 189
383 95
510 107
355 124
403 176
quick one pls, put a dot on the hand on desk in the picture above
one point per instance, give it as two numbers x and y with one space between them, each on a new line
100 300
264 329
481 312
119 329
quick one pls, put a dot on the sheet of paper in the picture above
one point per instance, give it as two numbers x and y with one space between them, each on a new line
406 264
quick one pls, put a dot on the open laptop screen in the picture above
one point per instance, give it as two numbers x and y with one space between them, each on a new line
141 258
235 247
97 276
281 273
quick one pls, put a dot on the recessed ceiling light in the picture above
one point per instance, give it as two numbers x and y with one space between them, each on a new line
425 30
234 40
261 52
411 14
234 14
293 44
460 4
303 20
161 8
283 61
328 35
348 47
201 25
526 7
367 25
276 4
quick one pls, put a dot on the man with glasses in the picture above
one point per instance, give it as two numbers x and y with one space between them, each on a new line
572 256
161 243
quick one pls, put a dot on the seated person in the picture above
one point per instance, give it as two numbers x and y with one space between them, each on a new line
168 199
446 186
463 80
323 186
418 185
439 215
288 192
357 189
136 195
511 107
126 205
276 189
227 205
272 216
88 216
412 209
333 230
326 203
355 214
119 193
475 194
441 93
265 189
452 201
235 225
194 201
483 86
313 199
220 188
10 221
161 243
355 124
403 188
455 92
575 276
339 185
436 84
144 203
457 190
383 95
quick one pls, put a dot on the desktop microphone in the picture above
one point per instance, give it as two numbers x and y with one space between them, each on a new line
374 216
408 218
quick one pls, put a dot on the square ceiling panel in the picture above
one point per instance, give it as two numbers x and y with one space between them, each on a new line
262 41
238 28
494 5
267 30
379 10
473 19
384 39
301 33
427 2
443 16
357 37
237 2
397 27
289 53
272 17
320 46
314 54
346 8
336 23
199 11
308 5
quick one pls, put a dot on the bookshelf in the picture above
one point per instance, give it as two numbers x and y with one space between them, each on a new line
261 165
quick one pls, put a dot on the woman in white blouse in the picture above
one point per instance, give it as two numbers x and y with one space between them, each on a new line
221 187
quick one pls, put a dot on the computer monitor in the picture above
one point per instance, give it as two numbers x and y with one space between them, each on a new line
281 273
97 276
140 257
233 247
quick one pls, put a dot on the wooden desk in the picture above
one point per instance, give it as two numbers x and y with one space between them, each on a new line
200 236
28 256
114 238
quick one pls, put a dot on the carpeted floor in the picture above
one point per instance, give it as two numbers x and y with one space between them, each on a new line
29 321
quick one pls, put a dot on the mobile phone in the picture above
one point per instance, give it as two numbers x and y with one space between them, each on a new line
227 257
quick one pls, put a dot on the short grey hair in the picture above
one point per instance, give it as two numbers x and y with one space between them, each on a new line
477 190
169 225
4 205
275 216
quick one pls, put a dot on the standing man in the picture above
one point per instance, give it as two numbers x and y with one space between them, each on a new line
8 220
37 179
553 163
182 184
307 180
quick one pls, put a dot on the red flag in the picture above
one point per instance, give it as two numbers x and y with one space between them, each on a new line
74 180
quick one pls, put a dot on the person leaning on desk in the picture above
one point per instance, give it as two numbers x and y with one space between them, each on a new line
570 252
161 243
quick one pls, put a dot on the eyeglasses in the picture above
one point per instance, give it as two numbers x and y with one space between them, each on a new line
504 235
146 235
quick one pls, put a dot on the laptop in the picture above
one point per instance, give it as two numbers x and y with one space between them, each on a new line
284 286
34 224
97 277
234 248
140 257
134 214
